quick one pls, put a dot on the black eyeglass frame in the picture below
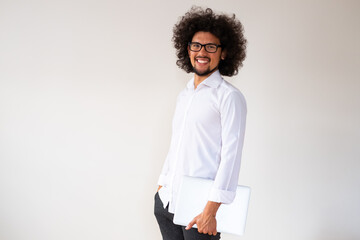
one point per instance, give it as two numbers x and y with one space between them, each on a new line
204 45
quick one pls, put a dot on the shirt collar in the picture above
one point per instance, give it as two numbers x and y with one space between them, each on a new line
213 81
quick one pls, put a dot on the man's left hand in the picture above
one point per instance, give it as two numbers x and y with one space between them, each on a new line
206 223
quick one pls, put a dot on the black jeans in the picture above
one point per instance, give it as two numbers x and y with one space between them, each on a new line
171 231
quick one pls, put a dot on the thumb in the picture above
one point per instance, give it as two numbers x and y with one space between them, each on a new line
189 226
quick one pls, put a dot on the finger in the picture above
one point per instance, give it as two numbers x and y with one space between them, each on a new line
191 224
212 232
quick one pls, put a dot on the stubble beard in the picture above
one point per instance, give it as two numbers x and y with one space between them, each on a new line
206 72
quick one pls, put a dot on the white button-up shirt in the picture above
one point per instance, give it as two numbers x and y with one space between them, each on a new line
207 139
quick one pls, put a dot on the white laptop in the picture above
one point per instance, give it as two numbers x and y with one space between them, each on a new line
192 198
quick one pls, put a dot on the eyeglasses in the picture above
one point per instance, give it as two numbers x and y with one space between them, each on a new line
209 47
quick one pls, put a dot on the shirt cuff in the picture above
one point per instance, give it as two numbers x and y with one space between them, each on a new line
162 180
221 196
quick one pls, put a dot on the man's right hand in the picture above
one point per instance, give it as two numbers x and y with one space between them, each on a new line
159 188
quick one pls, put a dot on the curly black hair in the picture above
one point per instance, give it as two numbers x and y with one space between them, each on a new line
226 28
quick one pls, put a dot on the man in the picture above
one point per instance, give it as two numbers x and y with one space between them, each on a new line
209 122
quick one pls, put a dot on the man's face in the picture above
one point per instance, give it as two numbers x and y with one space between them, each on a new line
203 62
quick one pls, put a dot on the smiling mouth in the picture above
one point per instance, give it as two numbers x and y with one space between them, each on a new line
202 60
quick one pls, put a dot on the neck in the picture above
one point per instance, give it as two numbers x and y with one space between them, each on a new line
198 79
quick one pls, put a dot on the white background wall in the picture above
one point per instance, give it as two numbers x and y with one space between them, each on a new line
87 94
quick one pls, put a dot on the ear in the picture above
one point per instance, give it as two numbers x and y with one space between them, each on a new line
223 55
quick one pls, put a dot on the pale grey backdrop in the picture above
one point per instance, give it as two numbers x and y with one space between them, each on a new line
87 93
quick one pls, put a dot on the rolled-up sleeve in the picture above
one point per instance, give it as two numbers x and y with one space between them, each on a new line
163 175
233 112
162 180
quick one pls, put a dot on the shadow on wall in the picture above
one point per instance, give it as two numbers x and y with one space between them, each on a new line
337 238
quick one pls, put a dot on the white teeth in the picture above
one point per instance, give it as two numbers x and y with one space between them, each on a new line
202 61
